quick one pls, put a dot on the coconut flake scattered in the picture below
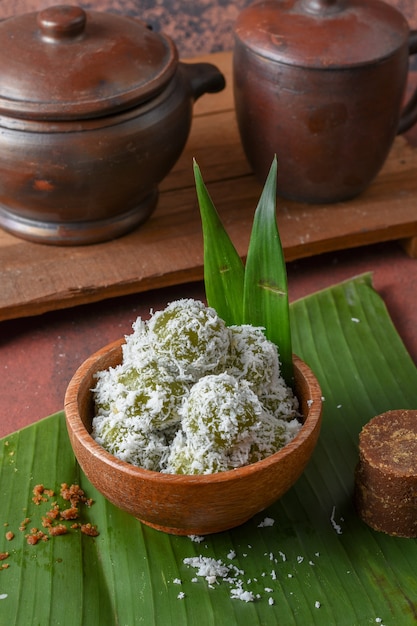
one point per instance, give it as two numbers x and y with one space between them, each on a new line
181 595
208 568
214 571
177 581
268 521
3 596
219 572
333 522
240 594
355 319
196 538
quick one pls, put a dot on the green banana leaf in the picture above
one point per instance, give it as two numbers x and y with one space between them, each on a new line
316 564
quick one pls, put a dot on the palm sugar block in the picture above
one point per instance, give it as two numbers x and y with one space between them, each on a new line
386 475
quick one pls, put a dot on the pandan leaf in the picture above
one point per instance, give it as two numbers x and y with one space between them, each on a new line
265 301
223 267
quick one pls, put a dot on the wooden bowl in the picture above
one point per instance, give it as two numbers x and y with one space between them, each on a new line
185 504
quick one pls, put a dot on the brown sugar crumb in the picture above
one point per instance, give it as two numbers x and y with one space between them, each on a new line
89 529
68 514
51 515
40 494
36 536
50 521
59 529
23 524
74 494
38 490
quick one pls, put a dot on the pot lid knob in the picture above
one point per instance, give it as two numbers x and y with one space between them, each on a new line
61 22
323 7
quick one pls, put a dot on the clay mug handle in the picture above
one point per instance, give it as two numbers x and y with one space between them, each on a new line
408 115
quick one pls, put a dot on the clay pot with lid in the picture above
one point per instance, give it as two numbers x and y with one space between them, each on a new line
321 83
95 110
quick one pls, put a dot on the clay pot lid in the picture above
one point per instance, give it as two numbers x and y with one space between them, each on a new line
67 63
323 34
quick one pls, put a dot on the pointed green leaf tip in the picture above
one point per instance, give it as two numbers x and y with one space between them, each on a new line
223 267
265 289
257 294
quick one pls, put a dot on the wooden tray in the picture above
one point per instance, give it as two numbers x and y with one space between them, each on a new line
167 250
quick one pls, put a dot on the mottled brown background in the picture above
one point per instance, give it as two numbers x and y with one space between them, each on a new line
197 26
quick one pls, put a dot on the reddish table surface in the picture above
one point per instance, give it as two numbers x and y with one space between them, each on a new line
39 355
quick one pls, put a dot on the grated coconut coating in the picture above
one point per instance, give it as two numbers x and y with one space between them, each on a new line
253 358
193 396
192 336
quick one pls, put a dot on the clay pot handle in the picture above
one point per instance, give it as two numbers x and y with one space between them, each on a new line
203 78
409 113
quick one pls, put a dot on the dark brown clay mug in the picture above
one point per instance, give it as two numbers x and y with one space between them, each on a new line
95 110
321 84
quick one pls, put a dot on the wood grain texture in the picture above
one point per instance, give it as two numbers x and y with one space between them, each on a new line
168 250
